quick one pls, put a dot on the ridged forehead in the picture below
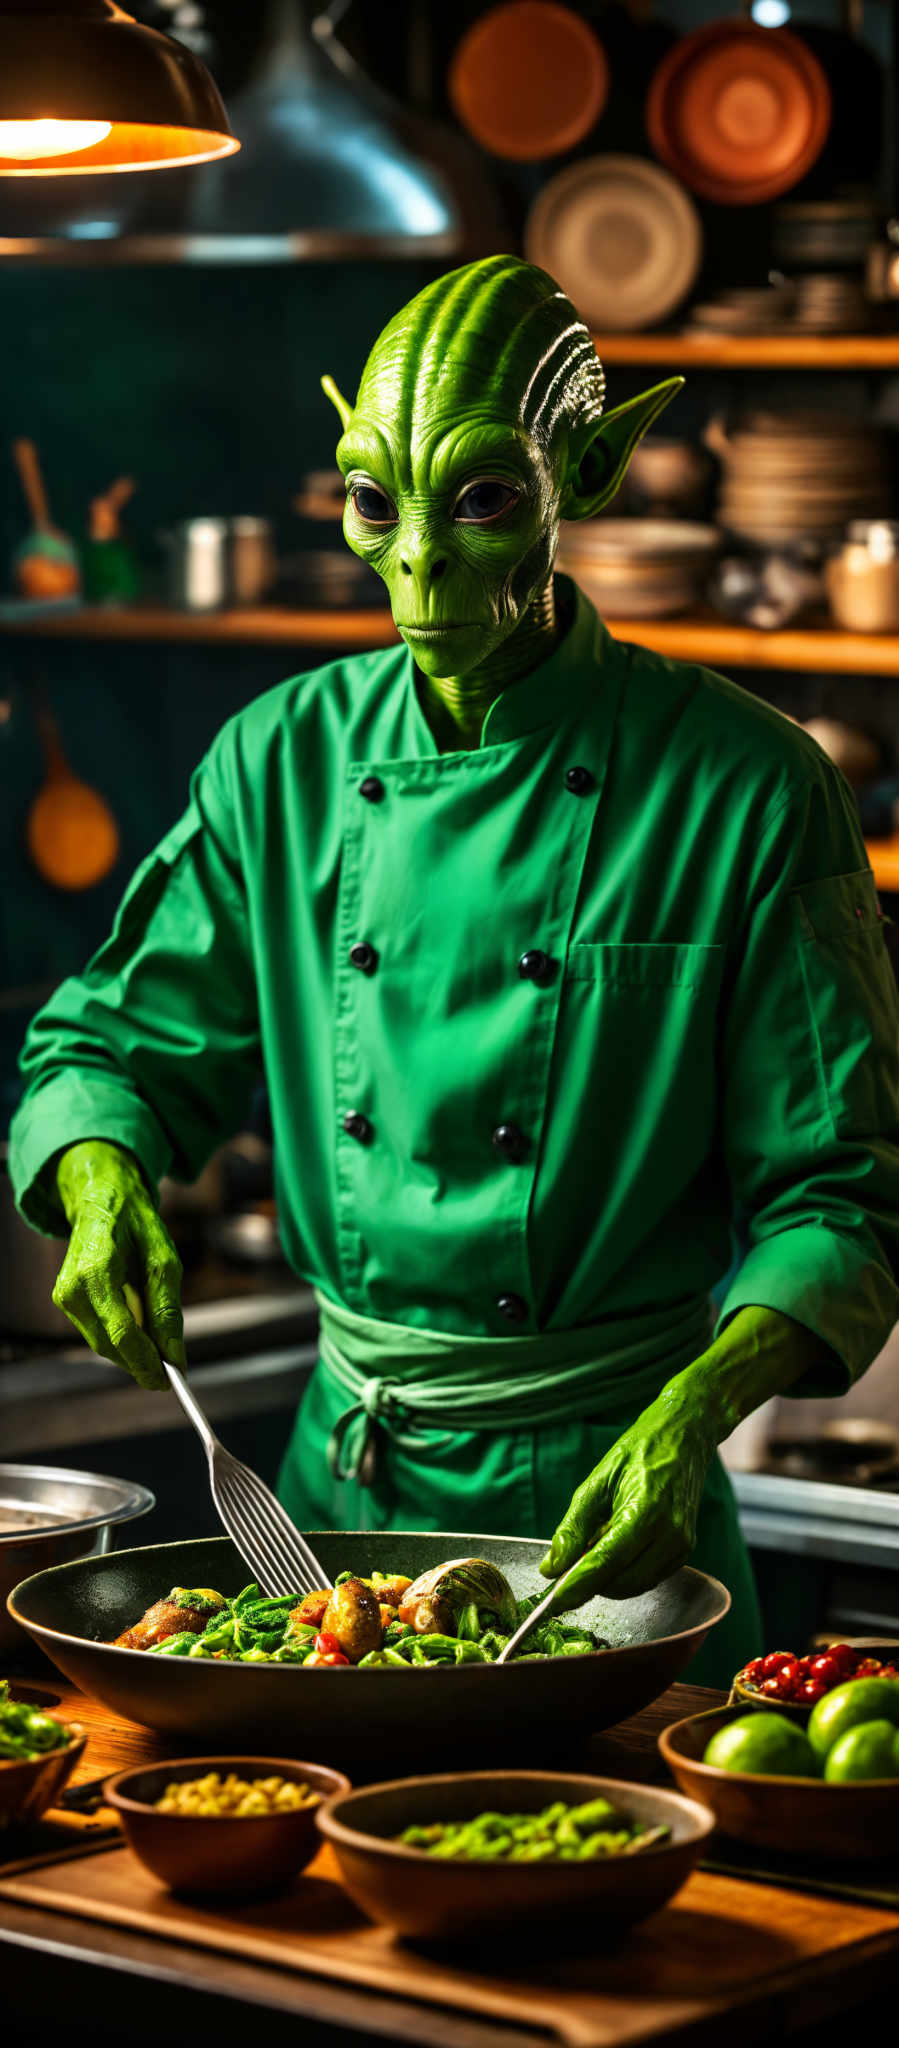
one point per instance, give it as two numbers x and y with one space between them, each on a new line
498 331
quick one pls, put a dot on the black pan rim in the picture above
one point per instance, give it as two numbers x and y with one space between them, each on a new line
41 1632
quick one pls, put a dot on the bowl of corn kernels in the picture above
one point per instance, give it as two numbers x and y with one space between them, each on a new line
238 1825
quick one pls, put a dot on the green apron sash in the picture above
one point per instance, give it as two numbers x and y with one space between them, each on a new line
401 1378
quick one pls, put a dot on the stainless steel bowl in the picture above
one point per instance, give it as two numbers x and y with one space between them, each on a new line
49 1515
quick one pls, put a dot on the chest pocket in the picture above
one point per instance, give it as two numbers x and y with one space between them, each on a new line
851 994
644 1019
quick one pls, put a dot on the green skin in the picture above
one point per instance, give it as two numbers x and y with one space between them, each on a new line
477 428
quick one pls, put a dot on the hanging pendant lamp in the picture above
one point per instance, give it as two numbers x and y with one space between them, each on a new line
83 87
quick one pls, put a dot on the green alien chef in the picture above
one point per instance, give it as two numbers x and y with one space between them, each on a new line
562 961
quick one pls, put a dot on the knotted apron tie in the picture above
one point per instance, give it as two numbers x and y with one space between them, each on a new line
404 1380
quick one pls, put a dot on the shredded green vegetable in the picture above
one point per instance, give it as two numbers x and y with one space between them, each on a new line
249 1629
566 1834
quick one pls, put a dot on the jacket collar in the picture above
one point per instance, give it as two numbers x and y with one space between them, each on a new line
548 692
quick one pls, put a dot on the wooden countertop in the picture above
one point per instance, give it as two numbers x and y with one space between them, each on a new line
761 1960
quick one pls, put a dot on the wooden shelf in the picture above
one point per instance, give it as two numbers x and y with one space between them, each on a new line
255 627
819 649
786 350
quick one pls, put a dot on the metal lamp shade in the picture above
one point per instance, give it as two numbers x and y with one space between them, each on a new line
147 102
328 167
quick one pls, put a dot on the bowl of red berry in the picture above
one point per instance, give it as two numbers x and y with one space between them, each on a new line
794 1685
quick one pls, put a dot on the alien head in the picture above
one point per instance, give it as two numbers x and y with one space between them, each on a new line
477 428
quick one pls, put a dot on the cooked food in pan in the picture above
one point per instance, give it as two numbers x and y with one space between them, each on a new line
461 1612
182 1610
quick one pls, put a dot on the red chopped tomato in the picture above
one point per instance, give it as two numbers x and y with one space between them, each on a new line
328 1644
325 1657
826 1668
775 1661
752 1674
844 1657
812 1691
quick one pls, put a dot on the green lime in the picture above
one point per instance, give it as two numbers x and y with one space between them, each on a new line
765 1745
869 1751
848 1706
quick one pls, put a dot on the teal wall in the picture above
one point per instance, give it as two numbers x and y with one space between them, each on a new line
203 384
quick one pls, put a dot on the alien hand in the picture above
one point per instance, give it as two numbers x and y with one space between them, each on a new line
119 1247
634 1519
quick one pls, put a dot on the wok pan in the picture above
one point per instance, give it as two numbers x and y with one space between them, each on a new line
73 1610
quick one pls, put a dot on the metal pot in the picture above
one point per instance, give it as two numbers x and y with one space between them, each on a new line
215 562
50 1515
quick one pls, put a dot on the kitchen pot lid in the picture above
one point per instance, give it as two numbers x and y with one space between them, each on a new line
740 113
621 238
529 80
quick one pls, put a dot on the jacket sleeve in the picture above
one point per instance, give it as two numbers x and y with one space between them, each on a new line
810 1087
156 1045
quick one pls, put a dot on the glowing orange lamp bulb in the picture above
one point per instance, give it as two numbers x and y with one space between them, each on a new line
84 87
25 140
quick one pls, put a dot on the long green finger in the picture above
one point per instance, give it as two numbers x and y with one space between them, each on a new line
124 1342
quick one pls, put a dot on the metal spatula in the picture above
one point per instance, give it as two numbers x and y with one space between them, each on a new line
273 1550
539 1613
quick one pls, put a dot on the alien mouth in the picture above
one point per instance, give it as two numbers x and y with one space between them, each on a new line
435 632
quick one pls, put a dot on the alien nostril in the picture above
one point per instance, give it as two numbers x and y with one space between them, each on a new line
437 569
405 569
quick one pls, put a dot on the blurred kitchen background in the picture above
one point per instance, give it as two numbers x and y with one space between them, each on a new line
718 191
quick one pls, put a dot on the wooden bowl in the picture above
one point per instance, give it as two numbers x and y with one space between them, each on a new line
211 1854
867 1646
417 1894
796 1817
29 1787
749 1696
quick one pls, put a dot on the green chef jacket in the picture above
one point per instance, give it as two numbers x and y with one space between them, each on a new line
635 926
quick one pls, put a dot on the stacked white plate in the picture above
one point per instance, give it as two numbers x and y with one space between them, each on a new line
801 478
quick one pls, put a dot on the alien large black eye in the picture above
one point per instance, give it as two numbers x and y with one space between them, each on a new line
373 506
485 501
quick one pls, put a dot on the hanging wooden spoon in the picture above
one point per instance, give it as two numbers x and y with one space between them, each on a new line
46 562
73 838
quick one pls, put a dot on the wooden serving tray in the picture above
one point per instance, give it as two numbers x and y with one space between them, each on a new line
705 1954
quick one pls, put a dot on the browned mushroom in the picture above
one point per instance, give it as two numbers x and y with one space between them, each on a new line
353 1615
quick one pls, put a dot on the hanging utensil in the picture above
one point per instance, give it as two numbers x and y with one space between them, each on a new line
46 562
272 1549
72 835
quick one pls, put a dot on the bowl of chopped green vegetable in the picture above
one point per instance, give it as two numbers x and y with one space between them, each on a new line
441 1858
37 1755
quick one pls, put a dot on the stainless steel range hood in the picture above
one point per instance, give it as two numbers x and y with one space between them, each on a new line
329 167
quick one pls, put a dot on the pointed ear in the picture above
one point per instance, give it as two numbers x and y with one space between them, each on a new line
598 455
345 410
